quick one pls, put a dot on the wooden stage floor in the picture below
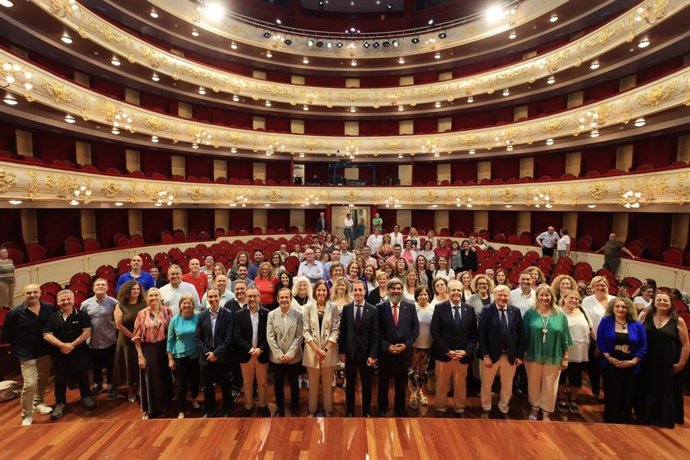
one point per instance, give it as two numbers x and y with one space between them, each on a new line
114 430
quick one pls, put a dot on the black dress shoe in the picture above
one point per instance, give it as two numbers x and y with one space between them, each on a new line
294 411
381 413
401 413
264 411
460 415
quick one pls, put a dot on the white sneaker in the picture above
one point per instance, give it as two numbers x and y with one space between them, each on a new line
43 409
27 421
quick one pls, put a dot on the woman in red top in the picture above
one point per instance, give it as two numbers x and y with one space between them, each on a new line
442 249
265 282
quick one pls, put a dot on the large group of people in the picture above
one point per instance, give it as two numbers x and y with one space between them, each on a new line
403 307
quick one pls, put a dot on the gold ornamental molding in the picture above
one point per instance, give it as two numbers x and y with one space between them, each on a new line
44 186
620 31
40 86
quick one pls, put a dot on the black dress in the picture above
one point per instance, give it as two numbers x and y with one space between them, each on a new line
469 260
662 388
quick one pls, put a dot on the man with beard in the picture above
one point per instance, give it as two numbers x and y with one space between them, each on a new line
398 329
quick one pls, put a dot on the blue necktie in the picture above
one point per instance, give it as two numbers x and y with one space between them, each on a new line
456 316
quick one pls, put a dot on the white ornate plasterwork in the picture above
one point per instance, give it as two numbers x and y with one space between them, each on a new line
663 94
668 188
613 34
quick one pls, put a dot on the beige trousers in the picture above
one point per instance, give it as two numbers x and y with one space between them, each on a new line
507 372
35 373
249 370
542 385
456 372
6 295
325 375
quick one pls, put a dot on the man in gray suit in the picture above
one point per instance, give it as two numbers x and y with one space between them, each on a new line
284 333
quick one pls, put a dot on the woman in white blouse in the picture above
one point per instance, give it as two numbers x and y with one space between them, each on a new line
644 300
581 331
440 290
410 285
321 327
421 348
595 308
443 270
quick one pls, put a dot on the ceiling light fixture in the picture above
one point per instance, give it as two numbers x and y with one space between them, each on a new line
269 54
268 103
591 206
66 39
549 141
594 133
553 18
353 109
594 65
415 40
233 150
115 61
494 13
70 119
437 55
305 60
235 98
640 122
430 22
233 45
354 63
506 92
401 60
154 14
154 139
118 203
6 3
472 152
15 202
437 104
195 33
214 11
305 107
442 35
115 130
470 100
551 80
513 35
10 100
155 77
202 90
401 108
644 42
267 34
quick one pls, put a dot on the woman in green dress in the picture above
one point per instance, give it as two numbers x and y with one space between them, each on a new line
130 301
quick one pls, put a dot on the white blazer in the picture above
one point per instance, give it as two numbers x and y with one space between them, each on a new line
328 332
284 338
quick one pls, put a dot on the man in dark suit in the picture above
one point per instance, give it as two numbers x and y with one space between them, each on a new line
321 223
251 346
501 346
398 329
235 305
454 331
358 342
214 337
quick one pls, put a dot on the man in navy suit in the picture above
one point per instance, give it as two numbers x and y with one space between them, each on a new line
251 347
501 346
454 331
358 344
398 329
321 223
214 337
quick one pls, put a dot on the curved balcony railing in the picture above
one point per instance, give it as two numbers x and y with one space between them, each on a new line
38 85
612 35
665 190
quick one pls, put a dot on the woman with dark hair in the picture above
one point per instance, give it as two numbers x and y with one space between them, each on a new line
218 269
380 293
469 256
428 251
455 257
276 262
328 245
130 301
386 248
400 269
241 259
661 391
369 274
284 280
501 277
443 270
423 273
421 348
643 301
623 344
439 290
150 340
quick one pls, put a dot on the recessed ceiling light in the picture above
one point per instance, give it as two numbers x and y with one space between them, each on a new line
10 100
155 77
472 152
644 42
591 206
506 92
15 202
415 40
202 90
6 3
509 206
430 22
401 60
195 33
154 14
553 18
305 60
470 100
115 61
233 45
269 54
118 203
437 55
154 139
640 122
594 65
279 22
66 39
549 141
551 80
70 119
513 35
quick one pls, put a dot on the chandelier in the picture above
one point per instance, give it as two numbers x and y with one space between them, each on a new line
392 202
239 201
79 195
311 199
541 200
633 200
164 198
590 121
466 202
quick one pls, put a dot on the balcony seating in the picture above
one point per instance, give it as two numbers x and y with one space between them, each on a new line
221 180
141 175
672 256
90 169
113 172
525 179
157 175
137 240
593 173
36 252
584 243
73 246
203 236
191 236
91 244
178 236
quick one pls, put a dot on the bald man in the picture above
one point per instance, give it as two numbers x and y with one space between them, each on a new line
23 330
196 277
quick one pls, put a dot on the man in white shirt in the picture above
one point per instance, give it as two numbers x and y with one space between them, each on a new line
345 255
547 240
375 240
209 262
396 236
311 268
349 228
171 292
523 296
563 245
368 260
242 272
225 294
335 257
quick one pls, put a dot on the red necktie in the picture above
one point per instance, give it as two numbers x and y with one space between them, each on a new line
395 315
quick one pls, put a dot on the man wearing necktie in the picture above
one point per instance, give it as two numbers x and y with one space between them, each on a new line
454 331
501 347
358 345
398 329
